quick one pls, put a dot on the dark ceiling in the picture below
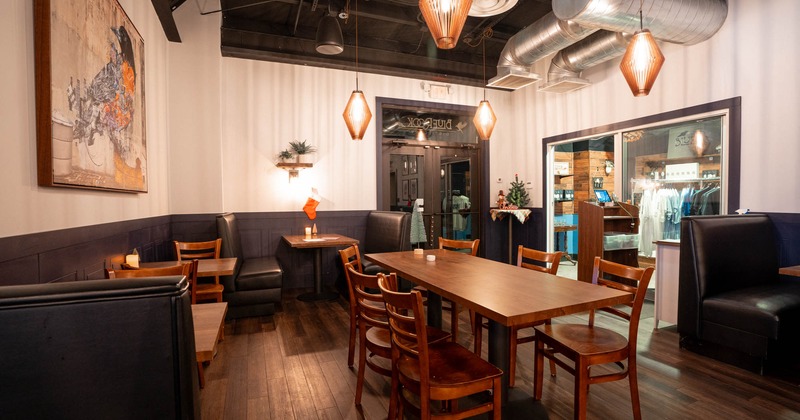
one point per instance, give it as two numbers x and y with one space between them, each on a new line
392 37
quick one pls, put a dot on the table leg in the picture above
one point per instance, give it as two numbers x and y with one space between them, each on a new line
566 250
498 352
434 310
318 293
510 242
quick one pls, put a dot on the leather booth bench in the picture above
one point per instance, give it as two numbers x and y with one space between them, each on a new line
255 286
731 296
98 349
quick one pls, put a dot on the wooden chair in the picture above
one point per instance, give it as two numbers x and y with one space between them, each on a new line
202 250
186 268
533 260
470 246
374 344
351 255
588 345
442 371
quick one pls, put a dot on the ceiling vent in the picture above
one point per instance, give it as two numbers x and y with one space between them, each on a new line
511 78
564 85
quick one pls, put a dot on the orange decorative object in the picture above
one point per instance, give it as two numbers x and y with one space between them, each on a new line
484 120
445 20
641 63
357 115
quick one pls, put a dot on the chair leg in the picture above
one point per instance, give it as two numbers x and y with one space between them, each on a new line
454 321
477 331
497 404
351 349
633 380
512 357
538 366
394 400
581 388
362 361
552 362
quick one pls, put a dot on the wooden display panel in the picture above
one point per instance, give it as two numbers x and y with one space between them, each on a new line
594 221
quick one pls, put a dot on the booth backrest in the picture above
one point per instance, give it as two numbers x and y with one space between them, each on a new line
387 231
228 230
121 349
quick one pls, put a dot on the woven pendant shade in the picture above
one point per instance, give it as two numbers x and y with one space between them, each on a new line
641 63
357 115
484 120
445 19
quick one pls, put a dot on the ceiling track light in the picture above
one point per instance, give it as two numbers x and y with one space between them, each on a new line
329 39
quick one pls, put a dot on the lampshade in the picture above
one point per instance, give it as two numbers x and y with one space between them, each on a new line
484 120
357 115
329 36
421 136
445 19
641 63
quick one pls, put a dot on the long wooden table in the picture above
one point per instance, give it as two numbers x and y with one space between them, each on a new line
205 268
505 294
209 327
317 242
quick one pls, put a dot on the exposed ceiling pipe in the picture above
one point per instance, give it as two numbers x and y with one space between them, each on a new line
678 21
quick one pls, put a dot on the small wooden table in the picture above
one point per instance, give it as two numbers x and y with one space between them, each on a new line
521 214
205 268
790 271
209 329
565 229
317 242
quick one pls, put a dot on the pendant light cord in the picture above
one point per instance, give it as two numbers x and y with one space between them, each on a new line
641 25
483 41
356 44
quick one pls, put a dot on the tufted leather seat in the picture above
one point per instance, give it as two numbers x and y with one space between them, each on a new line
730 292
386 231
255 286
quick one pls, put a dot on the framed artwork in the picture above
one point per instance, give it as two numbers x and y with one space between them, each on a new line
404 196
405 165
412 164
412 189
90 96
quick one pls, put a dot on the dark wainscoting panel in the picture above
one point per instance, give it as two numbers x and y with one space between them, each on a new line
787 226
80 253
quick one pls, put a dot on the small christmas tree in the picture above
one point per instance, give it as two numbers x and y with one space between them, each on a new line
517 195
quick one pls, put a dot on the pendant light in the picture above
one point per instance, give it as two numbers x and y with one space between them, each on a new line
329 36
357 114
642 60
445 20
484 119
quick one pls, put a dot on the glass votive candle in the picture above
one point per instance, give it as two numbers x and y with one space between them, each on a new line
308 231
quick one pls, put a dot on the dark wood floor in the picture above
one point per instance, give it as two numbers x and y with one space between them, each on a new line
293 365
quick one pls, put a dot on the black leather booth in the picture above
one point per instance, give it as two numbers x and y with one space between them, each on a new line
98 349
386 231
731 295
256 283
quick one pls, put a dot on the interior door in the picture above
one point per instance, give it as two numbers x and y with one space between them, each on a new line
446 178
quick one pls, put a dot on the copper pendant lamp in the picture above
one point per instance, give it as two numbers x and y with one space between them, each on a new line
445 20
485 118
642 60
356 113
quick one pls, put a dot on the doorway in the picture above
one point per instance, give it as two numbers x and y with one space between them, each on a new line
432 164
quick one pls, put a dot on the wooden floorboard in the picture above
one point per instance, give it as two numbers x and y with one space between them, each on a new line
293 365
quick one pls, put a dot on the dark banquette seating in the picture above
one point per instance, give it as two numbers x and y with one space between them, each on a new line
386 231
731 295
95 349
255 286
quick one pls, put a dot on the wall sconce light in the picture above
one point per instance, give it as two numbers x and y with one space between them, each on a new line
699 142
421 136
609 167
132 259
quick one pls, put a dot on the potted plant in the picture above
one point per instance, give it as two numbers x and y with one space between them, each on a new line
285 155
301 148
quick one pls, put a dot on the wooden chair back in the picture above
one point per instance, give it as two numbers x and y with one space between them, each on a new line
187 269
629 279
531 258
197 250
351 254
457 245
371 311
407 324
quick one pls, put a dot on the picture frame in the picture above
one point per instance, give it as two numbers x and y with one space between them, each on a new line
412 189
404 195
412 165
90 97
404 161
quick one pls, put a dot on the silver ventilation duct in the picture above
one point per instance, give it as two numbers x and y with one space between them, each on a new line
531 44
567 64
678 21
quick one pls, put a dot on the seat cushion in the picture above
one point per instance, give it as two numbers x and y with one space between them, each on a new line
259 273
768 310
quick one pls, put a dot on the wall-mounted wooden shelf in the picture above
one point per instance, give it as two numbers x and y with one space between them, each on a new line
293 167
